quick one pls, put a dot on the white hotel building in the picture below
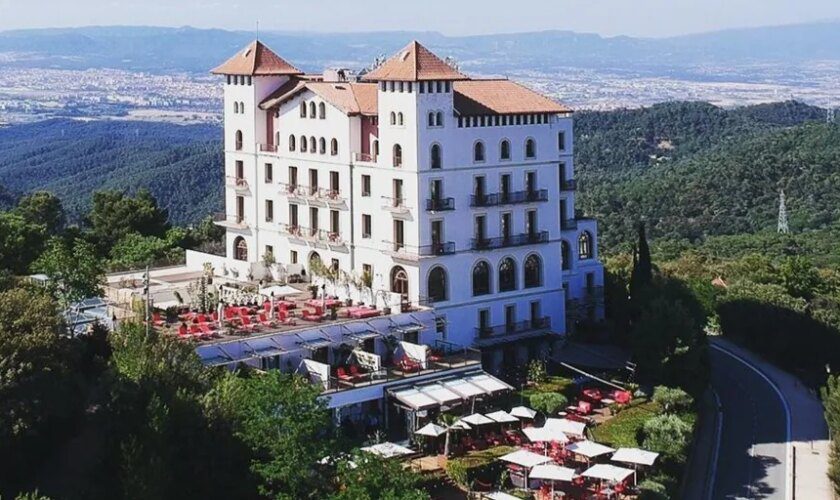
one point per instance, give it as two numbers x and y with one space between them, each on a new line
452 192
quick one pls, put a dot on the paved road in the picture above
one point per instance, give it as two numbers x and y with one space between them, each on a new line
753 451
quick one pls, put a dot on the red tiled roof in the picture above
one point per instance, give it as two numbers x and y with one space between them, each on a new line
256 60
351 98
504 97
414 63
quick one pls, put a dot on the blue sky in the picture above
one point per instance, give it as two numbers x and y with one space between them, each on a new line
456 17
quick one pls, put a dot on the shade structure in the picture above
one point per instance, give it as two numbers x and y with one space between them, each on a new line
552 472
490 385
589 449
500 495
525 458
464 388
566 426
416 399
460 425
523 412
608 472
279 291
502 417
477 419
634 456
431 430
388 450
544 435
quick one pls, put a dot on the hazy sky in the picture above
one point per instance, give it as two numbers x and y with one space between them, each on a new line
607 17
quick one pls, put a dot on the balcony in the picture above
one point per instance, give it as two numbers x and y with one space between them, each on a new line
395 205
512 331
400 251
510 241
568 224
314 235
364 158
267 148
514 198
230 221
239 184
568 185
440 204
312 194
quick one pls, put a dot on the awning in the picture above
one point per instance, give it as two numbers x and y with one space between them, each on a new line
608 472
502 417
362 335
552 472
525 458
314 344
489 384
215 356
589 449
499 495
477 419
523 412
634 456
279 291
446 391
440 393
544 435
407 328
415 399
566 426
263 349
464 388
431 430
388 450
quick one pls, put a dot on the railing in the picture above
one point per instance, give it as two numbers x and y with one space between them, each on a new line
527 326
396 205
313 234
364 157
267 148
440 204
568 185
513 198
402 251
509 241
237 182
568 224
313 193
450 356
231 219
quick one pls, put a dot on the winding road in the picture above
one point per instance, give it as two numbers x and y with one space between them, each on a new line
753 449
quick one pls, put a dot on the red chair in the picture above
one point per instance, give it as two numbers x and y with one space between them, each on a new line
355 373
407 364
195 331
342 375
182 331
311 316
264 320
246 324
206 331
157 320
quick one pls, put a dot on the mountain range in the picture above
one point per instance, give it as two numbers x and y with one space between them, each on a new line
186 49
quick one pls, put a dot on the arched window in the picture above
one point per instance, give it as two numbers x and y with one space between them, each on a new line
322 111
238 140
439 119
533 271
375 149
315 259
334 147
431 119
399 280
277 139
481 278
393 118
435 156
291 143
530 148
302 109
504 150
566 255
312 145
437 285
240 249
478 151
322 145
236 108
303 144
397 155
507 275
241 107
311 110
585 245
399 118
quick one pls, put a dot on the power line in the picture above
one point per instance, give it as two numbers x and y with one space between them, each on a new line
782 226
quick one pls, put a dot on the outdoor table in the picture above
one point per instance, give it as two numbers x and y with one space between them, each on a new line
607 401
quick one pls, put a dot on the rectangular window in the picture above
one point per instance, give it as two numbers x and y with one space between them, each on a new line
293 178
269 210
240 209
313 219
479 190
530 182
531 222
367 226
561 141
293 257
334 224
510 318
334 264
365 185
293 215
313 181
437 233
240 170
269 173
367 269
269 251
562 173
505 223
399 235
446 86
505 187
398 192
421 87
480 228
334 182
535 312
484 320
436 189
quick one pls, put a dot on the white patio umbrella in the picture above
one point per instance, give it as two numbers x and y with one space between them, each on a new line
607 472
634 456
552 472
589 449
477 419
569 427
544 435
431 430
388 450
460 425
502 417
523 412
526 459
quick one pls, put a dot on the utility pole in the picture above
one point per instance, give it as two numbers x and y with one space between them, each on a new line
782 227
148 314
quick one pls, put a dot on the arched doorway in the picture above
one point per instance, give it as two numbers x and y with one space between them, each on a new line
399 281
240 249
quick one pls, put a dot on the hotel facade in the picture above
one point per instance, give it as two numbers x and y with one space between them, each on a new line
440 190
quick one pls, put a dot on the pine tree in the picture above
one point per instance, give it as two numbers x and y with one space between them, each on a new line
642 265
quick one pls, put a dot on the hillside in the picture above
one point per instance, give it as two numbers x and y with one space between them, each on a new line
181 165
692 170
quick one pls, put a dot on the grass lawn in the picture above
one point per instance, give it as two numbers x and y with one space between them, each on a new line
623 429
563 385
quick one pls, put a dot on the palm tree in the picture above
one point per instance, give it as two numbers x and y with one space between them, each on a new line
447 420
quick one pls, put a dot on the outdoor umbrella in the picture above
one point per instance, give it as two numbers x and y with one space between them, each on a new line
502 417
523 412
552 472
431 430
477 419
526 459
544 434
388 450
634 456
589 449
460 425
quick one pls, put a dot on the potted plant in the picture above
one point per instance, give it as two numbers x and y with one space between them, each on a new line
313 291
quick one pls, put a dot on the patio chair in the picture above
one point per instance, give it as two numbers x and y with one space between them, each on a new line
407 364
308 315
342 375
356 373
157 320
247 325
264 320
183 331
